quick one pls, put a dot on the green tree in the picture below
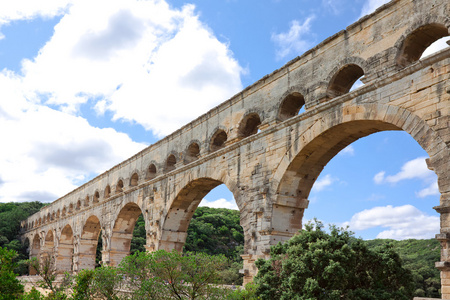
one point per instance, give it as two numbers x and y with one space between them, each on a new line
172 275
10 287
316 265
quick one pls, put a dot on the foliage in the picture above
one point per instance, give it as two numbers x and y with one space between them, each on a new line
317 265
11 214
215 231
171 275
45 268
82 288
106 283
211 231
10 287
419 257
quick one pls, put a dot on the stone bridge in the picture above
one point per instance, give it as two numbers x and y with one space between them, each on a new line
266 152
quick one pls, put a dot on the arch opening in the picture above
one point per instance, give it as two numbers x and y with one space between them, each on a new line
96 198
249 125
291 106
107 193
351 191
86 201
170 163
343 81
119 186
65 251
192 153
151 171
418 41
122 232
88 243
134 181
197 222
218 140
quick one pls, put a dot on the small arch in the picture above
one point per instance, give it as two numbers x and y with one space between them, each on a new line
290 106
119 186
170 163
53 216
70 208
78 207
58 213
63 213
86 201
417 41
192 153
49 217
107 193
151 171
343 80
218 140
134 180
249 125
96 197
40 222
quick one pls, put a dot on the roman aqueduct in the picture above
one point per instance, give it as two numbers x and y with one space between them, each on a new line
264 151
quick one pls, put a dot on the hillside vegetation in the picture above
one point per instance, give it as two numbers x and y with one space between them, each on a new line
215 231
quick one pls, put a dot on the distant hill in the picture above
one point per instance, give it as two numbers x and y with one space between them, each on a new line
418 256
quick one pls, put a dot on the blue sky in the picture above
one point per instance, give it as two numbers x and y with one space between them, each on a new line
86 84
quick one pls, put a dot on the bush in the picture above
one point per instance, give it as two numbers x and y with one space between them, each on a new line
10 287
317 265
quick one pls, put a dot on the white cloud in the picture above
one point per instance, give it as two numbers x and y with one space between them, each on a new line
28 9
48 152
293 41
379 177
349 150
323 182
401 222
142 60
416 168
220 203
436 46
413 169
431 190
371 5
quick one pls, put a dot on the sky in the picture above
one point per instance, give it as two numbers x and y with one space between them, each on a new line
86 84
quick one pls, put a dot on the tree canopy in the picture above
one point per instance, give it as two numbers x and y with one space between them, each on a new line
316 265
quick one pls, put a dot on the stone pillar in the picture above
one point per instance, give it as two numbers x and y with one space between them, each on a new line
106 247
269 225
76 252
444 239
172 240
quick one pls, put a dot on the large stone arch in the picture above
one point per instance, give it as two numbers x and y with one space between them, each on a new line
87 243
187 197
304 161
122 232
65 250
